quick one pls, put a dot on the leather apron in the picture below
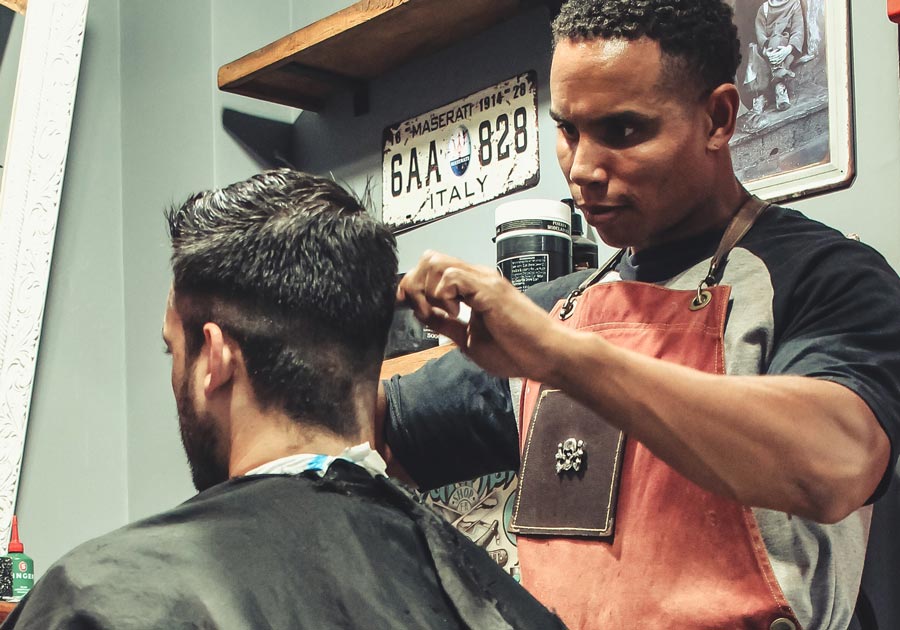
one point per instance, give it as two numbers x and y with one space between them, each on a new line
609 535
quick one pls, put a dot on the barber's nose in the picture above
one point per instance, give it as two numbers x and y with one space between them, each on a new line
590 165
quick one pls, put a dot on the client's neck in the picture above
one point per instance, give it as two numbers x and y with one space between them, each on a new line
257 434
258 443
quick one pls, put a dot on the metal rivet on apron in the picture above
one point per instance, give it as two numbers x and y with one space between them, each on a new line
569 455
702 298
782 623
568 307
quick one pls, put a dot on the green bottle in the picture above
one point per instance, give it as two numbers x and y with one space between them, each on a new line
22 565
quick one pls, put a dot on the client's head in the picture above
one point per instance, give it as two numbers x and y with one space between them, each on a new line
281 300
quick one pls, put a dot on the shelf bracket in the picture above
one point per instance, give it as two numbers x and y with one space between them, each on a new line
358 87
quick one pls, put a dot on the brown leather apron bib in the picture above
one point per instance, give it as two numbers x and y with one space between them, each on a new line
649 549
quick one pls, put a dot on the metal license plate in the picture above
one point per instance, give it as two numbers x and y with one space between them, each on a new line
470 151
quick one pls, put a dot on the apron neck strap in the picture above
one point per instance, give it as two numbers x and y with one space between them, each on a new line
568 307
604 269
743 220
740 224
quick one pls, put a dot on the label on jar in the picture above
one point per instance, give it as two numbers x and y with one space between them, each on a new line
526 270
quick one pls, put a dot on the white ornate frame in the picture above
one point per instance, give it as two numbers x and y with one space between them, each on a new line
838 169
29 206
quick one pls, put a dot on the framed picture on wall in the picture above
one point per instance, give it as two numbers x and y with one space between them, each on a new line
794 134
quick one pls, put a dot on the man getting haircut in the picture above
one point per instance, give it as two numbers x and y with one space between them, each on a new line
276 322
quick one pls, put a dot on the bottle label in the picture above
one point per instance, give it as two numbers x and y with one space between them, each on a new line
22 575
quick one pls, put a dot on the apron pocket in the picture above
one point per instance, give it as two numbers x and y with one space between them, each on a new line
569 481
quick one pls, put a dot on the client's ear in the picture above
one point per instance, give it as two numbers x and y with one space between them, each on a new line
220 359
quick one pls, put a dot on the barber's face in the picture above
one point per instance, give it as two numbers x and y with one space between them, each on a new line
634 154
199 432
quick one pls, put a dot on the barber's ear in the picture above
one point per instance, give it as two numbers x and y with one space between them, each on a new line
722 108
221 359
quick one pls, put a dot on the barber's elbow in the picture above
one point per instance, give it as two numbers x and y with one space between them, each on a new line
832 511
823 503
837 493
845 471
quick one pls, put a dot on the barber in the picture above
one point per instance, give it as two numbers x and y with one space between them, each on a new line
704 422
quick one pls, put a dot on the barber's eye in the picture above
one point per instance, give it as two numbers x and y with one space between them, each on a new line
621 135
567 129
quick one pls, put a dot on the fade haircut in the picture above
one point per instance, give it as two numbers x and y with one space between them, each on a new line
292 268
698 38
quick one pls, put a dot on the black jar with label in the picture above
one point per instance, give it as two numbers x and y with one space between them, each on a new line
534 242
585 252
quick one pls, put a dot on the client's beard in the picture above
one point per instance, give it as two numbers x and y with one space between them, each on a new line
201 442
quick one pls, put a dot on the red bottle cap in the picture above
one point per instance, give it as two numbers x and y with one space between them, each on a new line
15 545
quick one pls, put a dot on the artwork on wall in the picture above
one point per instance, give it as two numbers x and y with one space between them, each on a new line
482 510
794 132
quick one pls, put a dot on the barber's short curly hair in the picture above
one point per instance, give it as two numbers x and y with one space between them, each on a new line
698 36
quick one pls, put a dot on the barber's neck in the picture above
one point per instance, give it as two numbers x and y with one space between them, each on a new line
726 205
713 211
727 196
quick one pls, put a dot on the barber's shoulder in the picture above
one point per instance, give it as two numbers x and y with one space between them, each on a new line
787 235
805 257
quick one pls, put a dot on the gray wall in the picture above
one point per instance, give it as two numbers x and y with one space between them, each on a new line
103 445
73 482
174 143
871 206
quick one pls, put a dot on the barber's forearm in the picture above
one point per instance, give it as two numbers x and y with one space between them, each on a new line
800 445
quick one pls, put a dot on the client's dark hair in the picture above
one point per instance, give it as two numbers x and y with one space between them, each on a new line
292 268
698 37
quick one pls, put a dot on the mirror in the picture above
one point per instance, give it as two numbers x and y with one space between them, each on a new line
40 120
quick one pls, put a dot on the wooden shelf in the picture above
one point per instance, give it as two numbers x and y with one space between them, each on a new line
361 42
18 6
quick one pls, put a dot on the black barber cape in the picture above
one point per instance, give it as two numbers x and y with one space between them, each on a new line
287 553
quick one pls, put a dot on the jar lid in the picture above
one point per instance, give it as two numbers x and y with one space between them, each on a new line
542 209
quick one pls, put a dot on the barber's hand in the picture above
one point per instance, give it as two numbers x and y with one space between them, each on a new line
507 334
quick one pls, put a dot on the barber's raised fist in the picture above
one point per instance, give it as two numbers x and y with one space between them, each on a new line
506 333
